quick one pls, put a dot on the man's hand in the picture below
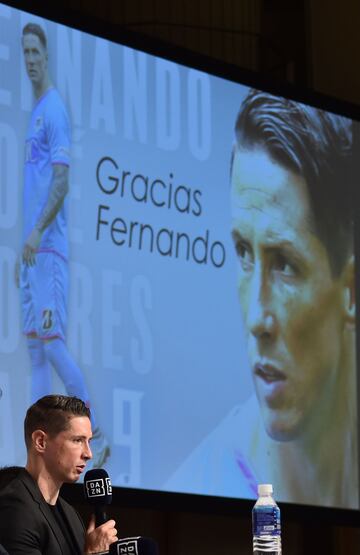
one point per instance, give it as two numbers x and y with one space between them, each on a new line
99 539
31 245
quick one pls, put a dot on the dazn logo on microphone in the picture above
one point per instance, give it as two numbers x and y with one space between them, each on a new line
98 487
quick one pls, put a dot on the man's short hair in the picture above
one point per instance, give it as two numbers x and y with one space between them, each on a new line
35 29
315 144
52 414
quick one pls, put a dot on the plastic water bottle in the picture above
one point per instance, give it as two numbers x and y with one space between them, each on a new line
266 523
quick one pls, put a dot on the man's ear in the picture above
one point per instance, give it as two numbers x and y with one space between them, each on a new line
349 291
39 440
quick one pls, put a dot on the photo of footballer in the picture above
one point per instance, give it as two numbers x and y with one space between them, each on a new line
41 270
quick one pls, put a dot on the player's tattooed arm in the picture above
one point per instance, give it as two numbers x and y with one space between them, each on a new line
58 191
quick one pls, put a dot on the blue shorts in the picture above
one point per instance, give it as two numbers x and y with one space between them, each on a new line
44 293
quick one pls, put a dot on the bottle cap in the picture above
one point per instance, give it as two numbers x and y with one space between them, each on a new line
265 489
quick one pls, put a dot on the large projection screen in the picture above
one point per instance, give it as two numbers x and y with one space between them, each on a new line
211 300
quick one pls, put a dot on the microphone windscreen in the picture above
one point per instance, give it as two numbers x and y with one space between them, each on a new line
97 487
138 545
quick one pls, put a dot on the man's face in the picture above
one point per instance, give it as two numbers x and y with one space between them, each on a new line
35 56
292 307
66 453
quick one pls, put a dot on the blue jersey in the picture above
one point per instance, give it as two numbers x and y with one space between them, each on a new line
47 143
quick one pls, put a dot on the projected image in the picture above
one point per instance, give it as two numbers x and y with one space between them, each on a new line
292 227
208 321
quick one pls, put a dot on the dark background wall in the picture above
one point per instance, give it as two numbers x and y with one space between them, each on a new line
310 43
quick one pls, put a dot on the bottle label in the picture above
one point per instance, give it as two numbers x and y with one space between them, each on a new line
266 521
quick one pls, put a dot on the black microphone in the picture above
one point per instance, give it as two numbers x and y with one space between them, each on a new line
98 492
138 545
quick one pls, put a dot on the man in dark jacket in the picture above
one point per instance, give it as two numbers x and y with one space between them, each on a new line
34 519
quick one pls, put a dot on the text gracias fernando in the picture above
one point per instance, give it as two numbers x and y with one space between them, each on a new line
160 194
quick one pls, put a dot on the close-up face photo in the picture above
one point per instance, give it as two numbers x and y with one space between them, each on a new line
291 304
